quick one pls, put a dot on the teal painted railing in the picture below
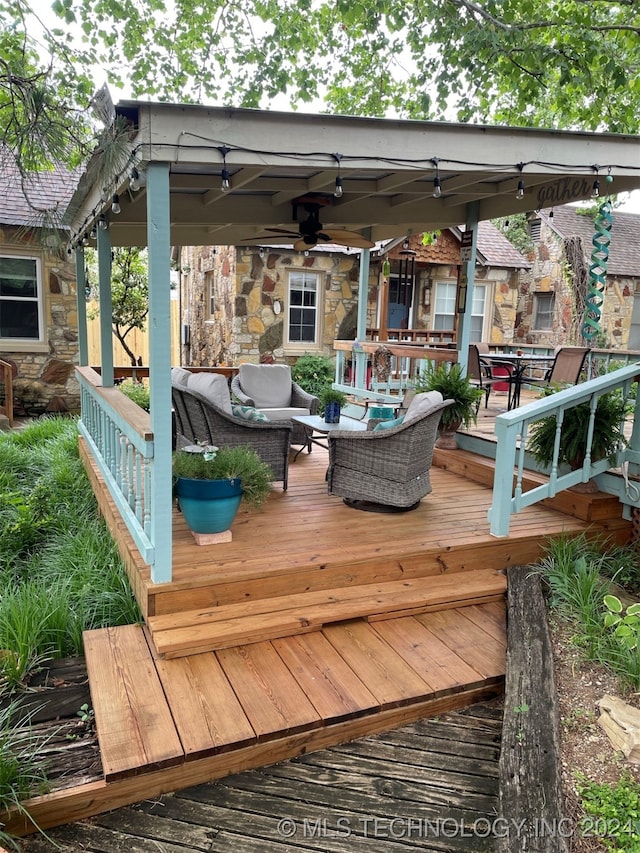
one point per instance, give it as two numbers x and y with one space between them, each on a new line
118 435
512 430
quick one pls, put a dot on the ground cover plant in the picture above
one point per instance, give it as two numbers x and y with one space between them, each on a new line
60 573
592 588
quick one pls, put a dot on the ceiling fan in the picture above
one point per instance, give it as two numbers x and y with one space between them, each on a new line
311 232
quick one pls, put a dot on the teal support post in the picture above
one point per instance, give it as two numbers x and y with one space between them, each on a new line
106 307
81 302
159 322
465 286
361 327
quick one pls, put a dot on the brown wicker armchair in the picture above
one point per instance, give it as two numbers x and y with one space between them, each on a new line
385 470
199 420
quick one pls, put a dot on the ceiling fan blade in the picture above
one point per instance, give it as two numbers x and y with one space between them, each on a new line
272 238
304 245
342 237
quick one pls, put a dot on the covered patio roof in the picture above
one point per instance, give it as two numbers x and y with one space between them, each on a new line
387 167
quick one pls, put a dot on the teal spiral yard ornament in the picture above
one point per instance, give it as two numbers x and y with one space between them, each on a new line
597 272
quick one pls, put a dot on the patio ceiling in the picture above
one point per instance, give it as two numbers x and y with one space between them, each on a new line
387 169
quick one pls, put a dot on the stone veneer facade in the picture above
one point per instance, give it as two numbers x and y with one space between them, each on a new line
549 273
247 285
44 375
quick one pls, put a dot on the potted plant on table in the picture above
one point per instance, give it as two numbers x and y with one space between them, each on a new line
608 435
450 381
210 483
331 402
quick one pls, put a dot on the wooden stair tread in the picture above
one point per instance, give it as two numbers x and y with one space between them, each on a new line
134 726
195 631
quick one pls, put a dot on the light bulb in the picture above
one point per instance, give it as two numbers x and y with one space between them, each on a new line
102 222
520 190
437 189
338 188
595 192
226 183
94 232
137 180
115 204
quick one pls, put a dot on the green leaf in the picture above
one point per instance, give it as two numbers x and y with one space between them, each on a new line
613 603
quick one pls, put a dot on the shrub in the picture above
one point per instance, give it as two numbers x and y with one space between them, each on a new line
314 373
136 391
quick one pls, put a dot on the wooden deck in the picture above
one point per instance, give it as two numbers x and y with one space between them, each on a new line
317 624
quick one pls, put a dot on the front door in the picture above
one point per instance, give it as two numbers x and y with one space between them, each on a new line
400 300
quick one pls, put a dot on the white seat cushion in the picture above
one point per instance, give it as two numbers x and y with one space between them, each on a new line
268 385
422 404
214 387
285 413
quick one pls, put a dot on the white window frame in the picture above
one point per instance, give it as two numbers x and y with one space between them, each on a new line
27 344
451 286
295 346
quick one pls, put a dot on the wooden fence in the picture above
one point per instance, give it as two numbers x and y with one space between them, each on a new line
138 341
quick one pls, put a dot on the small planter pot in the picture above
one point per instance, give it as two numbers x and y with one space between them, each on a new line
209 506
332 413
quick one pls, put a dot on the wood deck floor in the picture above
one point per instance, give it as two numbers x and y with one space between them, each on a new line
345 623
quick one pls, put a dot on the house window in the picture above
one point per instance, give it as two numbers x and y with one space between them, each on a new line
303 325
444 311
476 327
543 310
210 295
20 299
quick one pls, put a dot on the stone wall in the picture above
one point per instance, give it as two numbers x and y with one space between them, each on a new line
44 378
550 273
210 335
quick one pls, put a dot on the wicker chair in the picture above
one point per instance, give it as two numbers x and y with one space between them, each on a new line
199 420
385 470
298 401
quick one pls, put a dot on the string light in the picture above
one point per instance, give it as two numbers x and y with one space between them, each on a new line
225 177
211 144
338 188
137 180
115 204
437 186
102 222
595 192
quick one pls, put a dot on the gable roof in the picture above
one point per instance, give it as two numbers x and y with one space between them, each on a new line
494 249
624 248
37 200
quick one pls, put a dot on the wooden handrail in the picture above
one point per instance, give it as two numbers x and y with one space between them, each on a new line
7 378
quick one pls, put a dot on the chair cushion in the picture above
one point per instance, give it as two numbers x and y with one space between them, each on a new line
422 404
248 413
180 377
268 385
285 413
213 387
388 424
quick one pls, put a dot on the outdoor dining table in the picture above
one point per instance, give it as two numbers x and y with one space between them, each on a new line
519 362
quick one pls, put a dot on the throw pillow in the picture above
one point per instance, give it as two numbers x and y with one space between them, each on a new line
180 377
388 424
248 413
423 404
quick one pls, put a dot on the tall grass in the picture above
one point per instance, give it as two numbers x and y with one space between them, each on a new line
60 575
60 572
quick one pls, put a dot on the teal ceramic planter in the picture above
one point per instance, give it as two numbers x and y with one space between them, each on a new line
209 506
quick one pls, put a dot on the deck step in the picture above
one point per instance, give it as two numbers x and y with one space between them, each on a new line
194 631
128 701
